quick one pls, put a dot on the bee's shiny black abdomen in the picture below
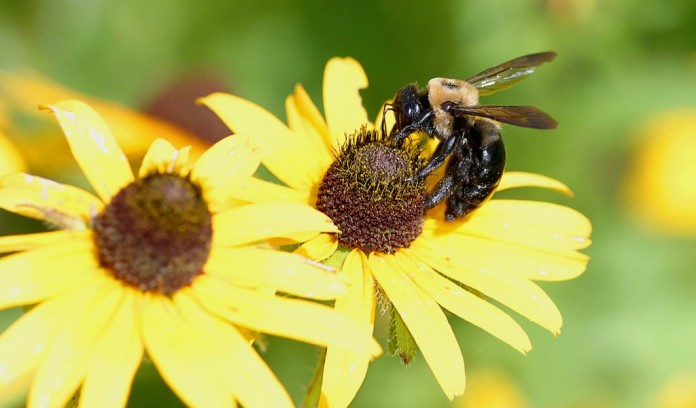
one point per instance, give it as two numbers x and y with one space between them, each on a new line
473 171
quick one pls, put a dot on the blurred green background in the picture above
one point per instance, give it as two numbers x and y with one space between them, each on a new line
629 321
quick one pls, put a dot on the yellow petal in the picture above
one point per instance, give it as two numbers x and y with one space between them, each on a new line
257 222
23 344
255 190
318 248
292 318
283 153
13 243
36 197
516 292
222 168
543 226
114 359
11 160
94 148
29 277
180 165
310 115
475 252
288 273
426 322
344 371
343 79
63 366
515 179
160 158
205 361
464 303
318 150
247 375
182 354
133 130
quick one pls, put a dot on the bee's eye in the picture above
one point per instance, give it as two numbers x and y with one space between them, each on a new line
413 109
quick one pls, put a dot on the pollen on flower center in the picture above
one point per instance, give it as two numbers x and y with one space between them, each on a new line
371 194
155 234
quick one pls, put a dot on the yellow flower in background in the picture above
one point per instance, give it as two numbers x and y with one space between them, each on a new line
11 160
162 263
679 391
660 186
491 389
396 253
41 141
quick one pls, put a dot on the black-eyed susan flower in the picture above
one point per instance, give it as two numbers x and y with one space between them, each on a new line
163 263
391 249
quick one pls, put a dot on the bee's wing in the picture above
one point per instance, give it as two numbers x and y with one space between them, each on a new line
509 73
525 116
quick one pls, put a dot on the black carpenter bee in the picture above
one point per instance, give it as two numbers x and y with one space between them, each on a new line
469 133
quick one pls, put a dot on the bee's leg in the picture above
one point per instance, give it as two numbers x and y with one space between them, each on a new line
481 179
442 151
456 176
403 133
407 130
440 192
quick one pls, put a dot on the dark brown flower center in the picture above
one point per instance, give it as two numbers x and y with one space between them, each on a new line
369 194
155 234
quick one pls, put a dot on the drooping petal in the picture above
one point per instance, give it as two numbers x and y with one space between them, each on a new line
344 371
518 293
319 152
94 148
464 303
222 168
343 79
283 153
114 359
426 322
14 243
543 226
255 222
183 353
515 179
496 256
288 273
160 158
31 276
63 366
247 375
293 318
37 197
318 248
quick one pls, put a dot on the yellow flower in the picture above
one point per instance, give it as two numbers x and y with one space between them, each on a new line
162 263
38 138
491 389
11 160
496 253
659 188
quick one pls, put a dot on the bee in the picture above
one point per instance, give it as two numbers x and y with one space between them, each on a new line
469 133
